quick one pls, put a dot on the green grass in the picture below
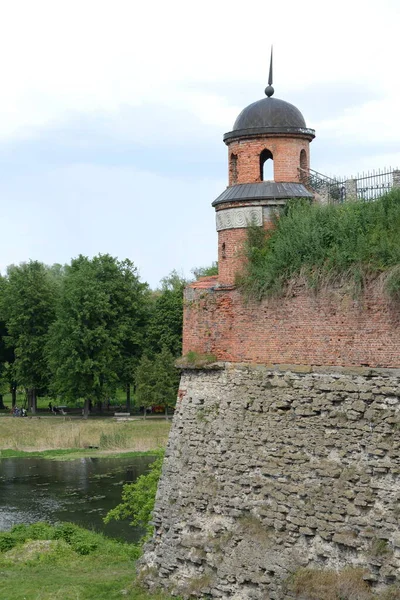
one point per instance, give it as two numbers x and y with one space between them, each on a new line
76 564
71 454
65 435
350 242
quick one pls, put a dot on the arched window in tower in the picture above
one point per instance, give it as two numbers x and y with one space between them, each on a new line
266 165
233 169
303 165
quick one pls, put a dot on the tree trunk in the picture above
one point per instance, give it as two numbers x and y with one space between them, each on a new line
1 402
13 395
86 408
166 412
33 401
29 398
144 411
128 398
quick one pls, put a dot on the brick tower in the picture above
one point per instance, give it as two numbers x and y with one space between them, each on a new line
267 133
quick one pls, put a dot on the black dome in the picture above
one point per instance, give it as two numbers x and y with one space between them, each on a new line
269 112
269 115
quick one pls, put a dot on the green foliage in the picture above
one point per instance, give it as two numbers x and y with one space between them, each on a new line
28 301
7 541
66 561
98 336
165 325
353 240
166 379
205 271
145 383
157 380
138 498
195 359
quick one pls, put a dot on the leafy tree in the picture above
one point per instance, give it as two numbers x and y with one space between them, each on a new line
7 355
132 297
99 326
166 380
165 326
145 384
28 307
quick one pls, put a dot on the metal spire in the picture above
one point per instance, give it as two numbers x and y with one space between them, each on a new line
269 90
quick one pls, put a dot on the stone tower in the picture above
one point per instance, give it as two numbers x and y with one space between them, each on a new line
269 132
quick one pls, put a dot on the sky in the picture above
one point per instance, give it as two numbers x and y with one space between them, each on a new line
112 114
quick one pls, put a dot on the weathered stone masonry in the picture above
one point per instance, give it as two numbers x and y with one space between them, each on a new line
270 469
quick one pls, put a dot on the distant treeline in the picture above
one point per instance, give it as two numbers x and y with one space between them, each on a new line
326 245
82 330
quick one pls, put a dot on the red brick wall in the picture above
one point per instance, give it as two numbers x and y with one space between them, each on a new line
286 156
231 258
230 254
328 329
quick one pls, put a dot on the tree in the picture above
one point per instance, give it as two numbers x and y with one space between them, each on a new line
28 306
165 326
145 384
98 330
132 297
166 380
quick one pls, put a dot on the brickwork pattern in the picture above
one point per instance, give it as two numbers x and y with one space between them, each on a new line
326 329
269 470
286 156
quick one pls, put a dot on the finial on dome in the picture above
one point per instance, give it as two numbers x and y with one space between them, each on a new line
269 90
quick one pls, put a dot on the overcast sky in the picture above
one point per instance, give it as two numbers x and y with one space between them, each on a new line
112 114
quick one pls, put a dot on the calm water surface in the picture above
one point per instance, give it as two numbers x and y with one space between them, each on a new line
81 491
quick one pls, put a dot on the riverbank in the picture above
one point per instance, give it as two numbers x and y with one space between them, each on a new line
67 562
66 439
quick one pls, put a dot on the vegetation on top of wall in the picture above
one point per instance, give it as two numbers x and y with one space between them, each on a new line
322 244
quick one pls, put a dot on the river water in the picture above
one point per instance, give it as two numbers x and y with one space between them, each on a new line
80 491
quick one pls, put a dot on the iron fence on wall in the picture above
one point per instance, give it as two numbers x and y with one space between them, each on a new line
366 186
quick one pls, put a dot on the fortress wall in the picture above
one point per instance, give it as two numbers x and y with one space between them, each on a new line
272 469
330 328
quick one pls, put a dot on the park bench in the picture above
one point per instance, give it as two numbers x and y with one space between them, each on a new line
122 416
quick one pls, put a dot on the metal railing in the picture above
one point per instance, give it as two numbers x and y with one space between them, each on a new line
372 185
366 186
329 190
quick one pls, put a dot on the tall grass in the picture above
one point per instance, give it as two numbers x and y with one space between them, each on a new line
352 241
52 433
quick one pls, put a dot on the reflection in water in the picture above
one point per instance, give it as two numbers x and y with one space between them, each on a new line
81 491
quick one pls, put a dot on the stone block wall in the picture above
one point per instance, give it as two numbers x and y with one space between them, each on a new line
271 469
331 328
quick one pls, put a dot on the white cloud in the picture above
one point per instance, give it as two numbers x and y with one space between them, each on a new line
166 75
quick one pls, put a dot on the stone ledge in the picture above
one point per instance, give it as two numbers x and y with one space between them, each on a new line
285 368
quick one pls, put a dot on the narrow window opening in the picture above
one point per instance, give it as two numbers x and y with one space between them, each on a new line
223 252
266 166
234 169
303 166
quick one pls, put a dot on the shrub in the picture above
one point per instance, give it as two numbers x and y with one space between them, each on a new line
138 498
7 542
354 241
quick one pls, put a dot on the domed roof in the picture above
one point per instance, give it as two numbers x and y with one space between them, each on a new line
269 116
270 112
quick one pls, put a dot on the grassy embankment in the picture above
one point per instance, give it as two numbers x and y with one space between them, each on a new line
323 246
65 562
64 438
39 562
